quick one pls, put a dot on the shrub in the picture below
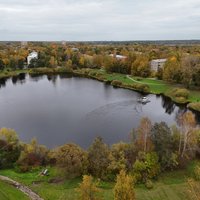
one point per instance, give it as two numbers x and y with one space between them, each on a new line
180 95
149 184
194 106
116 83
181 92
197 172
139 87
92 73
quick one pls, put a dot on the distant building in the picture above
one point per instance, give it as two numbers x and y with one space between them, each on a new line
119 57
63 42
158 63
74 49
24 43
32 55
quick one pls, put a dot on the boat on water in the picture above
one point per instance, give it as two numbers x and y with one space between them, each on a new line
143 100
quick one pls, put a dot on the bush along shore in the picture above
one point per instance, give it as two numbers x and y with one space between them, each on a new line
176 93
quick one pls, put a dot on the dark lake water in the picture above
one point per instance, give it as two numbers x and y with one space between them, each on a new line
61 109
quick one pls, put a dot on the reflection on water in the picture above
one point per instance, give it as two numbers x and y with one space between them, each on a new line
19 78
57 109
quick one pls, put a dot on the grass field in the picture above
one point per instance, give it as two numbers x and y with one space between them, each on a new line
169 186
8 192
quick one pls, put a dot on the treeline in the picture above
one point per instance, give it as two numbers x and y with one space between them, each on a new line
185 70
182 66
154 148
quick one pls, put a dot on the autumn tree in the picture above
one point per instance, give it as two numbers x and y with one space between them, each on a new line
189 66
124 187
9 147
2 64
119 160
88 189
140 67
32 155
53 62
172 70
71 159
98 61
143 141
188 137
193 189
99 158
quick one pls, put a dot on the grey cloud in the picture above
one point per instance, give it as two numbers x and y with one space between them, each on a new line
99 19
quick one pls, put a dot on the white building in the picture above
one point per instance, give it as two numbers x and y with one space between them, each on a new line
74 49
119 57
32 55
158 63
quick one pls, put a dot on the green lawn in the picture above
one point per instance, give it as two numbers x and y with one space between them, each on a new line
8 192
169 186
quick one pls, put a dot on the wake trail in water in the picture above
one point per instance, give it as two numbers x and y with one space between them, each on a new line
115 107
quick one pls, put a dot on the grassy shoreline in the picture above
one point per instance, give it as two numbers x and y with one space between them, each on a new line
155 86
145 85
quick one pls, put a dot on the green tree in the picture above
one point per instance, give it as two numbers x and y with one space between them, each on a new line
146 166
164 145
99 158
124 187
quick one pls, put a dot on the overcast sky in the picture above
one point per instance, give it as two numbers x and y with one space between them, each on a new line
99 19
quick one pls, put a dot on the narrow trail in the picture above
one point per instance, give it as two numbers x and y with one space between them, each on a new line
142 82
32 195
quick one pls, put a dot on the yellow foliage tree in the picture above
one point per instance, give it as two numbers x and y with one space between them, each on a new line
124 188
194 189
88 189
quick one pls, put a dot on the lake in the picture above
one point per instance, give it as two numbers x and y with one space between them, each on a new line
59 109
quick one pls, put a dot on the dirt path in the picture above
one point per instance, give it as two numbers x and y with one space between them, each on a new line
32 195
142 82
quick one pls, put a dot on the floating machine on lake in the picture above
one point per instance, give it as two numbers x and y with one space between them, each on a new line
143 100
